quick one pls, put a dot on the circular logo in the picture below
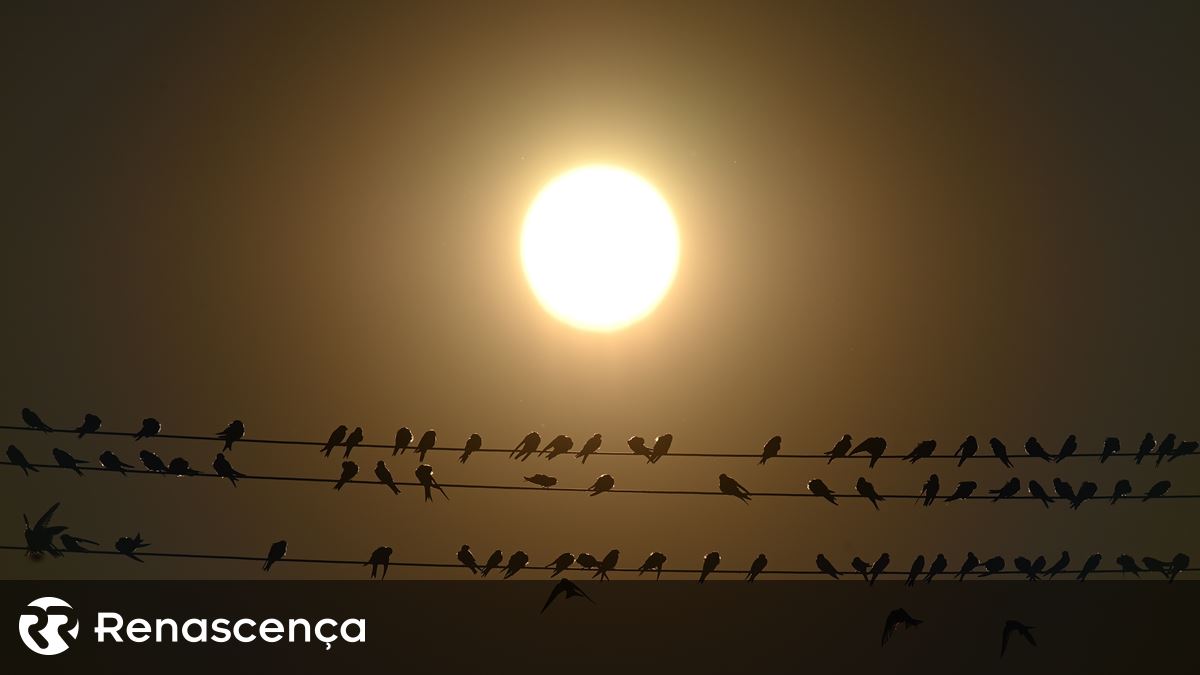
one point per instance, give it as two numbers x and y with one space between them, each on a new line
44 623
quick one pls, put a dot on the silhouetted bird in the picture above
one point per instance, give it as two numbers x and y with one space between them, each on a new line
1025 566
1089 566
516 563
968 566
840 448
592 445
180 467
603 484
91 424
1036 568
1019 628
468 559
427 442
827 567
897 617
561 564
607 565
922 450
918 566
1185 448
1128 564
1087 490
938 566
967 450
1012 487
492 563
129 547
637 445
818 488
39 539
862 567
353 440
542 480
1063 489
74 544
18 459
654 561
879 566
930 489
661 445
1068 448
276 553
1112 445
864 488
570 588
1063 561
32 420
733 488
771 449
335 439
110 461
1034 449
226 470
232 433
1179 564
380 556
587 561
1156 565
527 446
150 427
710 563
425 477
992 566
1039 492
349 471
66 461
1000 451
385 476
152 462
1157 490
873 446
1166 448
474 442
1144 448
964 490
756 567
404 437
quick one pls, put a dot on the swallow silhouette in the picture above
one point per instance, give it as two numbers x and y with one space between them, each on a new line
1166 448
1185 448
1128 564
152 462
353 440
918 566
1179 563
542 480
922 450
607 565
1012 626
1000 451
1157 490
568 587
1034 449
18 459
349 471
1156 565
561 564
930 489
1063 489
559 445
710 563
603 484
276 553
1012 487
1112 445
335 439
938 566
180 467
150 427
968 566
873 446
91 424
879 566
474 442
527 446
1036 568
637 445
1039 492
897 617
32 421
818 488
1063 561
129 546
468 559
110 461
385 476
66 461
226 470
587 561
993 565
592 445
427 442
964 490
1089 566
840 448
492 563
862 567
380 556
232 433
516 563
1025 566
404 437
733 488
654 561
39 538
1069 447
827 567
756 567
74 544
1087 490
771 449
967 450
1144 448
425 477
661 445
864 488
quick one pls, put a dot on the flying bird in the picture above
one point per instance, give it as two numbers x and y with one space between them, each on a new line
873 446
1087 490
1012 487
637 445
110 461
129 546
276 553
710 563
862 567
930 489
516 563
733 488
561 564
879 566
603 484
827 567
864 488
1011 626
152 462
559 445
1144 449
818 488
756 567
75 544
1157 490
1112 445
897 617
425 477
771 449
1034 449
150 427
993 565
428 440
380 556
468 559
353 440
1128 564
1000 451
18 459
1039 492
840 448
967 450
335 439
492 563
654 561
661 445
1166 448
527 446
921 451
570 588
938 566
542 480
91 424
404 437
66 461
349 471
32 421
918 566
592 445
1089 566
232 433
968 566
964 490
1068 448
226 470
180 467
385 476
607 565
474 442
1063 561
40 538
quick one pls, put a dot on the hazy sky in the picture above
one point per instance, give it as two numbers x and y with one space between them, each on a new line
909 221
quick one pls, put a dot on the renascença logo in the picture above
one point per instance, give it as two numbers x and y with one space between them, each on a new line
44 623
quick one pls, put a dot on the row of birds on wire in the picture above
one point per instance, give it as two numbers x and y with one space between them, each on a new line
1169 448
930 491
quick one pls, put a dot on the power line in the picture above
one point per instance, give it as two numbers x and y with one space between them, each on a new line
534 488
709 455
674 570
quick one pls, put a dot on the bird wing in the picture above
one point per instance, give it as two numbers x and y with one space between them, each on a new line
45 519
1008 629
558 589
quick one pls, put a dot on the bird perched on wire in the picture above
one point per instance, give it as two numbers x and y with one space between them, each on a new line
349 471
862 567
468 559
731 487
39 538
1144 448
757 567
561 564
1087 490
110 461
474 442
637 445
661 445
897 617
492 563
1026 567
380 556
878 568
1000 451
568 587
1063 561
938 566
930 489
527 446
840 448
129 546
1063 489
918 566
592 445
1179 563
404 437
1034 449
864 488
516 563
1089 566
18 459
922 450
385 476
1185 448
654 561
150 427
335 439
1012 626
66 461
1128 565
91 424
32 421
74 544
1112 445
225 470
1156 565
1068 448
603 484
710 564
353 440
587 561
180 467
276 553
993 565
771 449
559 445
966 450
827 567
1166 448
1038 492
1157 490
427 442
818 488
232 433
542 480
963 490
873 446
425 477
968 566
608 564
1012 487
152 462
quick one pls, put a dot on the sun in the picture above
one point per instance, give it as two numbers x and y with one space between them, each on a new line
600 248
